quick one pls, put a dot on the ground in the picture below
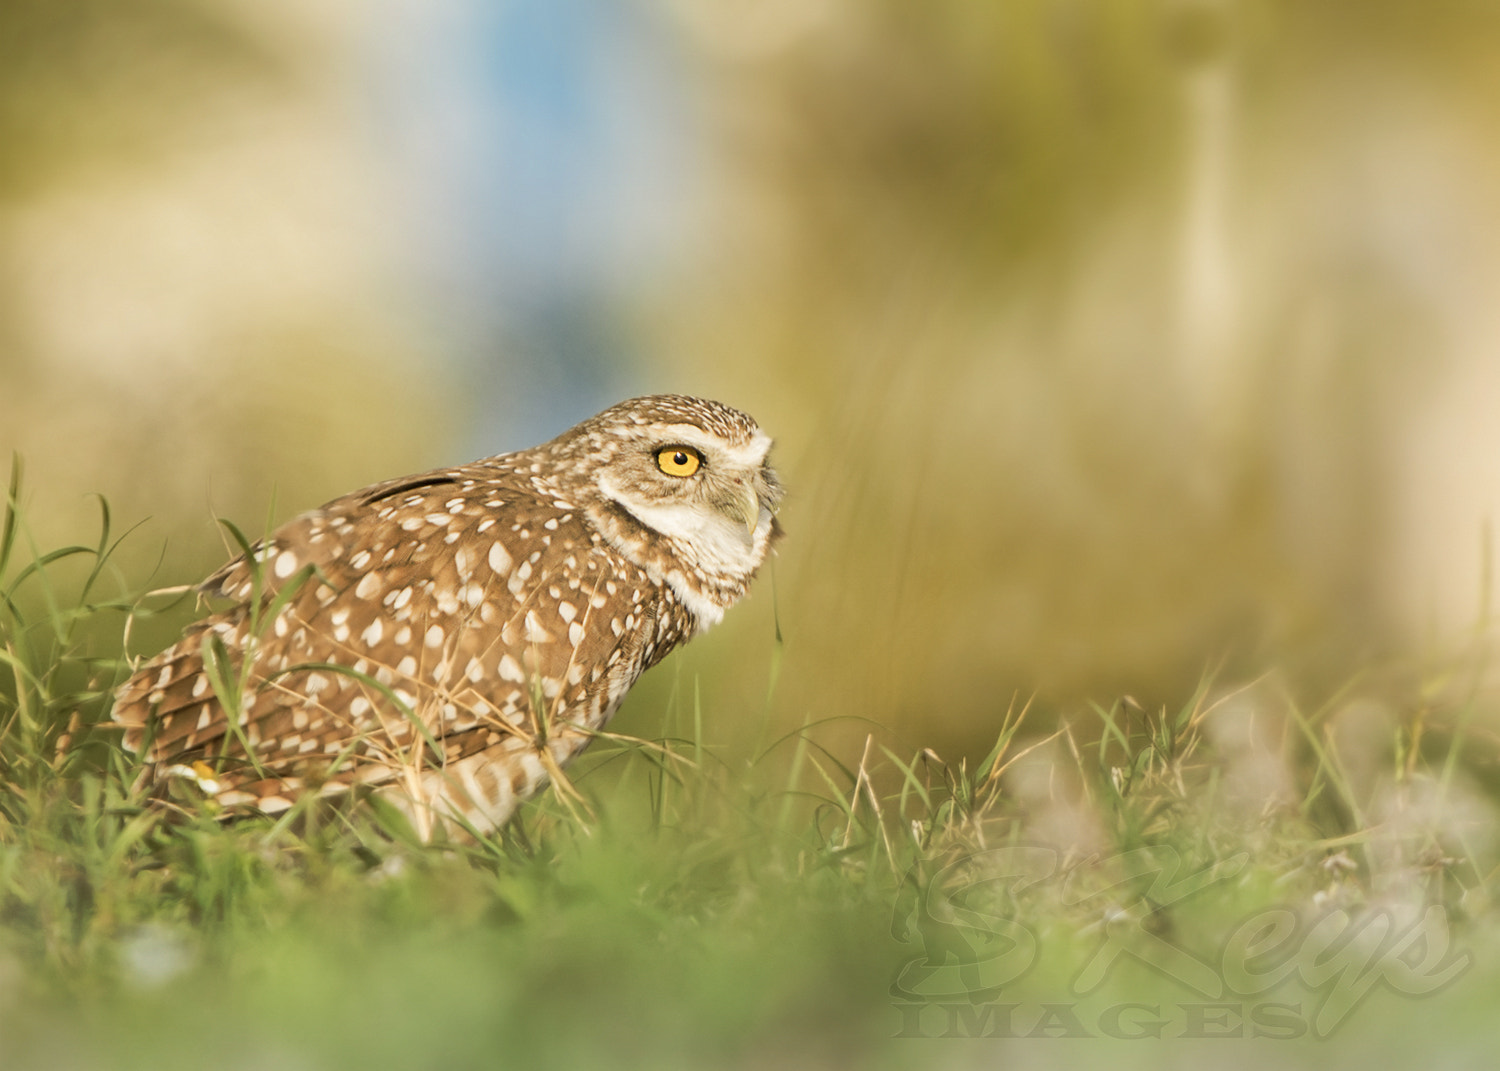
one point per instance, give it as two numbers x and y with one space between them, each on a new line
1235 881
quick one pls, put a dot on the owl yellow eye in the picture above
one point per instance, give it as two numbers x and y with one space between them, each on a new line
678 460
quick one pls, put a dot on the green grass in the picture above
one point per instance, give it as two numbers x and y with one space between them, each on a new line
1239 861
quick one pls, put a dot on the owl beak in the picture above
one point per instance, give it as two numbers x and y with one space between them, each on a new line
743 504
751 502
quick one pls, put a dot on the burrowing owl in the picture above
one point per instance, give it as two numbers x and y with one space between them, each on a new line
453 638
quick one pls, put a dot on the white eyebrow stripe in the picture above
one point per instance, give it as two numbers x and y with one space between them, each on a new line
751 455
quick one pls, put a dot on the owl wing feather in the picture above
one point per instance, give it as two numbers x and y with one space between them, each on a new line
438 618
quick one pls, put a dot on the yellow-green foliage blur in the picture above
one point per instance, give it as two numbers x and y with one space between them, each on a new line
1105 341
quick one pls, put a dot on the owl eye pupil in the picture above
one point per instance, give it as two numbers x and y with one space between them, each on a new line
679 458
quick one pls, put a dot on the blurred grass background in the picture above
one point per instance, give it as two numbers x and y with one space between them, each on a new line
1105 341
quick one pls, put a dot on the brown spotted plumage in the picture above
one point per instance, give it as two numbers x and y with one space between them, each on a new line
453 638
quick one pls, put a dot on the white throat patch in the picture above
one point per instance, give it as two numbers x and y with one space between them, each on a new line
720 547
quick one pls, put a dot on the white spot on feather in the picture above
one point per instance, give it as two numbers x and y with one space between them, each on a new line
510 669
535 633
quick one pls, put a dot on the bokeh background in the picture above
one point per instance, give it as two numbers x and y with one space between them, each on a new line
1105 341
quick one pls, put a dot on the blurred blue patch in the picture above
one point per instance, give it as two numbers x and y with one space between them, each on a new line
543 152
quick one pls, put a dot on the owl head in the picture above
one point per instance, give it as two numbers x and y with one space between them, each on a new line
684 476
